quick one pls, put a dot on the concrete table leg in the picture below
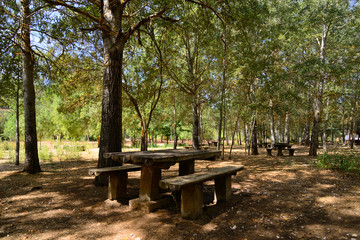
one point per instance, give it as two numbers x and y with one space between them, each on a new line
149 192
149 183
280 153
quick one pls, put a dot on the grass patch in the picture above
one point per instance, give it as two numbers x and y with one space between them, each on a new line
342 162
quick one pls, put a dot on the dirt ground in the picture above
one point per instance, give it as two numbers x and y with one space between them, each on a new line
273 198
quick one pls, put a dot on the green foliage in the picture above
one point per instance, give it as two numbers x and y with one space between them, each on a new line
45 154
68 152
343 162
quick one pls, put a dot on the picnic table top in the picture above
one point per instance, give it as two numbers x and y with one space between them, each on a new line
282 145
166 156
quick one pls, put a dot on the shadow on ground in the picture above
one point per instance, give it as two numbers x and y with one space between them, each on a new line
273 198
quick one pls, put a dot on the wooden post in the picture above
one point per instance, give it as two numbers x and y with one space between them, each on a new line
222 189
117 186
186 167
192 201
149 183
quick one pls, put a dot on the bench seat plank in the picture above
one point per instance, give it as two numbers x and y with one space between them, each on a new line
179 182
114 170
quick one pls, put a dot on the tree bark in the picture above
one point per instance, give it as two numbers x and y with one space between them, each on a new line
246 135
287 132
175 123
196 124
254 148
32 164
272 128
325 124
316 126
17 148
111 116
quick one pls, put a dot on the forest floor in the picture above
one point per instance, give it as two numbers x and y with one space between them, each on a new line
273 198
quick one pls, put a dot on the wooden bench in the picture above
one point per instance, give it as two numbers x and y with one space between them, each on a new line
268 150
118 177
191 187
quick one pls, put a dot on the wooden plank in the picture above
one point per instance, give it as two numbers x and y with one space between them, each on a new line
170 156
114 170
179 182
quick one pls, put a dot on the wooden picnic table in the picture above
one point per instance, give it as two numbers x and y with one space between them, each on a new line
151 164
280 147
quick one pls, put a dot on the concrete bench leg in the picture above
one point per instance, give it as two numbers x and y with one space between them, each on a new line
117 186
280 153
222 189
291 152
192 201
269 152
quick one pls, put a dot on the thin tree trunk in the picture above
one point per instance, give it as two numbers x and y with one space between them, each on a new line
238 134
223 139
175 123
272 126
287 132
144 142
316 126
246 135
254 149
325 126
17 148
201 132
233 136
32 164
196 125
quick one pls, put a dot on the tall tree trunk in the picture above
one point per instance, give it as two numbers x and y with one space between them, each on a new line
175 123
246 135
319 86
254 149
306 134
351 134
196 124
32 164
111 116
325 124
17 148
278 131
316 127
272 125
287 132
144 142
238 133
201 130
223 87
223 139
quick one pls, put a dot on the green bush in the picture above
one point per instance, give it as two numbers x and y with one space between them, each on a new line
342 162
45 154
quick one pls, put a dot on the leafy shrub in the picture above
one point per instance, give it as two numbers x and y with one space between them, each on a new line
342 162
45 154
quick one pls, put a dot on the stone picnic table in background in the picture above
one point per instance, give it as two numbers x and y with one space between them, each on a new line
151 164
280 147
